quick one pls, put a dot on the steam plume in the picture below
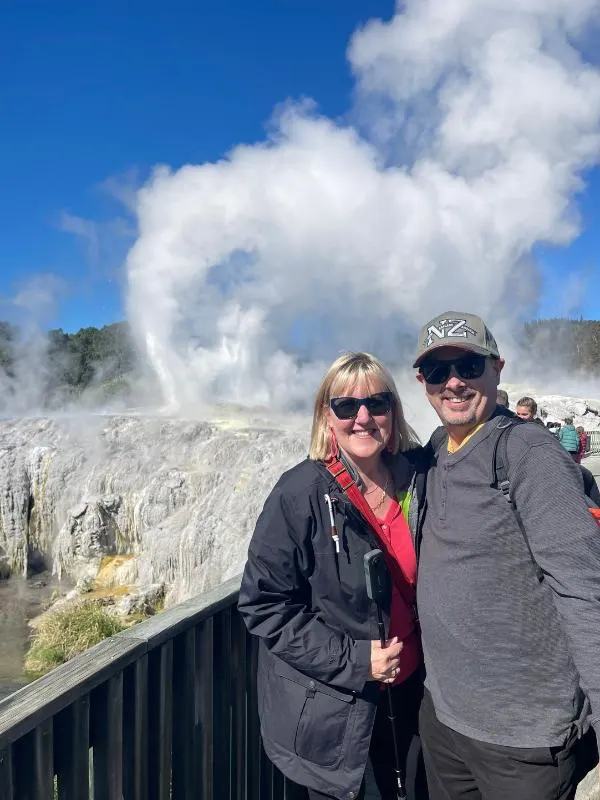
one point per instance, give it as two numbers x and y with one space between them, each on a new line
473 124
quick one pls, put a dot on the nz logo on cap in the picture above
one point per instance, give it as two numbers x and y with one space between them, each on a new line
448 327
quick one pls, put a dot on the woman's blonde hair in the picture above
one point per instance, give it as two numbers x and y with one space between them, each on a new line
346 372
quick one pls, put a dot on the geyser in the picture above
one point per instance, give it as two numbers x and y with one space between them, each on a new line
472 126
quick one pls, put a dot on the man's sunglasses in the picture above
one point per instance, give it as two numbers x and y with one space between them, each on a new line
466 367
348 407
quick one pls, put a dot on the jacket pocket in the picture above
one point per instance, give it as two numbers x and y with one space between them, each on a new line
322 714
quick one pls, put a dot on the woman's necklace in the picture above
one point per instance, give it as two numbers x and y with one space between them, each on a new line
383 494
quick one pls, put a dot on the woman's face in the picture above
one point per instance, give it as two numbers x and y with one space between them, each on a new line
364 436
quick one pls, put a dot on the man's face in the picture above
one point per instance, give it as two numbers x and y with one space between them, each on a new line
463 403
525 413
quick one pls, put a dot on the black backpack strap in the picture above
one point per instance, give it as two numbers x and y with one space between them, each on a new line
428 457
499 465
500 480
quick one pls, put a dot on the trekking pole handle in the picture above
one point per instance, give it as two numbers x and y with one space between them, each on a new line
377 582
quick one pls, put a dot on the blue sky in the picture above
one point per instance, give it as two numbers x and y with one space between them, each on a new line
100 92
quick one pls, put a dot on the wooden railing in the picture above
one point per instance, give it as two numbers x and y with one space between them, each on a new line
163 711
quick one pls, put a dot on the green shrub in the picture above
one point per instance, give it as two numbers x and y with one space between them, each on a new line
60 635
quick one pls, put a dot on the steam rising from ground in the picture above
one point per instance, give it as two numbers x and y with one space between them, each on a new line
473 122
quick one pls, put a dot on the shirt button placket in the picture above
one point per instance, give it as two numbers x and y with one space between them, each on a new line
444 492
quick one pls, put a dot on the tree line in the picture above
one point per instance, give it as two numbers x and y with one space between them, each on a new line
67 364
573 344
105 359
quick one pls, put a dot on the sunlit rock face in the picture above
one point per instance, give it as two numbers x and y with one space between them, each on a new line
180 496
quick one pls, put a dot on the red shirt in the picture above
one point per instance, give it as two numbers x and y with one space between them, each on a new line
402 621
583 438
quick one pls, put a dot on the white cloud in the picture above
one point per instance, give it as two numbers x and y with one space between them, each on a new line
85 229
250 274
105 242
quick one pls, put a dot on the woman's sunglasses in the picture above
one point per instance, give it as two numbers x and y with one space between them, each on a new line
348 407
466 367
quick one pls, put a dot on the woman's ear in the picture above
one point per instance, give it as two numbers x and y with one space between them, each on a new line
333 450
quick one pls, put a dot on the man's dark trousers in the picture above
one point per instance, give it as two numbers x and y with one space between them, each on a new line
460 768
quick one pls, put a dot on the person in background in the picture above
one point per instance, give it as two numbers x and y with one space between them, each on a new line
527 410
509 607
502 398
567 436
583 442
303 594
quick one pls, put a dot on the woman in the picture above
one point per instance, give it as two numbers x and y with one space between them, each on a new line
583 440
567 436
321 667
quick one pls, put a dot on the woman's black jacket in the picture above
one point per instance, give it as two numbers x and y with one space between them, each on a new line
310 610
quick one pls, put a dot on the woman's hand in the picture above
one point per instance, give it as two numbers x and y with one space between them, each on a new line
385 661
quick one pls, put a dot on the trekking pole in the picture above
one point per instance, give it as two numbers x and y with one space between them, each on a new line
377 578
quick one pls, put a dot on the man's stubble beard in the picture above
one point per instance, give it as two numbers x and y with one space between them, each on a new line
469 419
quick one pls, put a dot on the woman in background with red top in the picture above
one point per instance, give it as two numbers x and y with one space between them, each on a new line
321 668
583 440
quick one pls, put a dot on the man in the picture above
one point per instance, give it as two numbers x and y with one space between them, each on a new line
511 626
502 398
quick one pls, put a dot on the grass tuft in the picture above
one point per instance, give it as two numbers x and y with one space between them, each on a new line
60 635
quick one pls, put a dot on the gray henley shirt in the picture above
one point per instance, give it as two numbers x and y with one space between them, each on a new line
506 654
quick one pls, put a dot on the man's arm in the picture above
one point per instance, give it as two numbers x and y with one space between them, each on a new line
547 489
590 486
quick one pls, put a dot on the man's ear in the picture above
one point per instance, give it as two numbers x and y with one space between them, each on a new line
499 366
420 378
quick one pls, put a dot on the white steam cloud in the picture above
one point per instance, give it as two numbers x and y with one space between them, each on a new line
473 124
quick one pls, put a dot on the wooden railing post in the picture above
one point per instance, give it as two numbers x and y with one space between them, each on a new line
72 750
107 739
135 731
204 680
6 773
185 744
222 705
160 689
33 773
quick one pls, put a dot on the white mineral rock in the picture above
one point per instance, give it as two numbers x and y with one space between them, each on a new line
180 496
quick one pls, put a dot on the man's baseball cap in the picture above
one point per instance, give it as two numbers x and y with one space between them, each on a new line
456 329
